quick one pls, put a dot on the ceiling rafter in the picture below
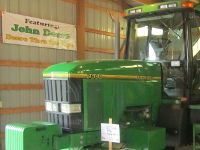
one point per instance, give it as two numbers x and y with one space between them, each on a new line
144 1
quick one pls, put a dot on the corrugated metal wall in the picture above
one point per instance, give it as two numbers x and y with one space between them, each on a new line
99 20
56 10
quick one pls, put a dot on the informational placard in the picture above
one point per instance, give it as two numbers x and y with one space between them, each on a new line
110 133
25 30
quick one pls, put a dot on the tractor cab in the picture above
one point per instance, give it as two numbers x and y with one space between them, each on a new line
168 33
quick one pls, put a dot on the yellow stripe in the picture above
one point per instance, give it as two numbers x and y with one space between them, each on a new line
65 75
100 76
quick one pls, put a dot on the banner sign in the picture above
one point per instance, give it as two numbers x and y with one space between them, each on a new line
24 30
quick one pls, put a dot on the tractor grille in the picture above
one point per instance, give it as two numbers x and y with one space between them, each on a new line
69 91
64 93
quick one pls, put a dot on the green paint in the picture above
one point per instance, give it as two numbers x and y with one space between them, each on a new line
144 137
108 67
31 136
113 96
25 29
121 100
153 7
194 107
196 131
47 32
109 98
156 7
46 136
125 101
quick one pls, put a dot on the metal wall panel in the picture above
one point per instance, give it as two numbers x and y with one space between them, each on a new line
106 4
20 75
46 9
22 98
2 145
102 21
89 17
55 10
19 118
99 41
97 55
35 54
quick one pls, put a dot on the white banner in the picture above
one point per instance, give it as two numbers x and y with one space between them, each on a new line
25 30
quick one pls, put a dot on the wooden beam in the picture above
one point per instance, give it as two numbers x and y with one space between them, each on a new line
122 3
103 32
107 10
94 49
80 29
16 110
23 64
20 86
89 5
1 38
99 32
2 135
70 1
144 1
108 1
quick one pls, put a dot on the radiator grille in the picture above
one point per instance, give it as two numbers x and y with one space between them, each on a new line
59 92
69 91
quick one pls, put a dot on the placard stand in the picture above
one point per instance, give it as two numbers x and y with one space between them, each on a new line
110 143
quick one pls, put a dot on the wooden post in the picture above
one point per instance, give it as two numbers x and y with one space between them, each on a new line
110 143
80 19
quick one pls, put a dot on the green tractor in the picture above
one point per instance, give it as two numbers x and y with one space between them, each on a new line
153 95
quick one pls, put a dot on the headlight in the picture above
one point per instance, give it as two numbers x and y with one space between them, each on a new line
48 106
172 5
71 108
138 10
55 107
163 6
134 11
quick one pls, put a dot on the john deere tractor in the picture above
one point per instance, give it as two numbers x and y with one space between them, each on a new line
153 94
